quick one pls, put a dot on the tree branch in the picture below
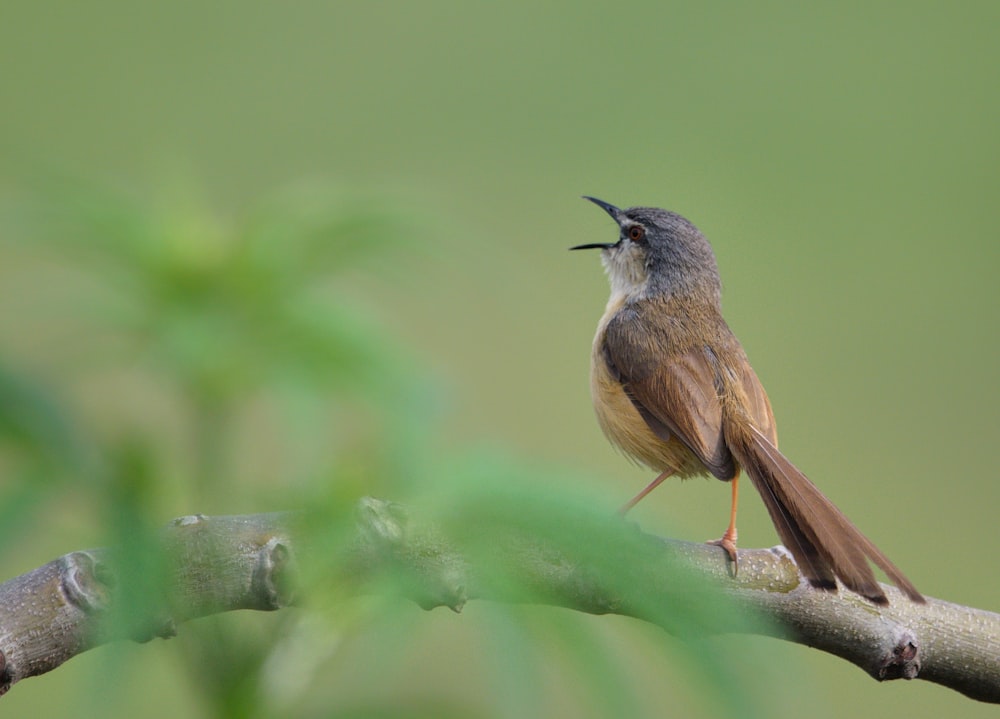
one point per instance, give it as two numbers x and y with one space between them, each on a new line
217 564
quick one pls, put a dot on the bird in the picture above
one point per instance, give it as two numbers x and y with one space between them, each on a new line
673 389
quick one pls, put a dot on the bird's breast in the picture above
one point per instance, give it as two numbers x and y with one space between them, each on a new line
620 420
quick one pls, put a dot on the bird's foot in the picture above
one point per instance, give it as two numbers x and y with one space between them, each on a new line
728 542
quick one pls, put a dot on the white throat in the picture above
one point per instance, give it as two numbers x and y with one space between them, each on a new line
626 268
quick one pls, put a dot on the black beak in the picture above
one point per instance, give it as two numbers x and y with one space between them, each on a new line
611 210
606 206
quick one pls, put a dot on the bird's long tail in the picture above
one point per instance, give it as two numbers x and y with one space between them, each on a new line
825 544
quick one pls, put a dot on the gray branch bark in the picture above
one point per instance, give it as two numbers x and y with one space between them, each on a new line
217 564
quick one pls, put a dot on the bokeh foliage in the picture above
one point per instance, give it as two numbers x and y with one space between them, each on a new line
841 158
219 315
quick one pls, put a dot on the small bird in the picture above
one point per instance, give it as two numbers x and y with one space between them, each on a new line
674 390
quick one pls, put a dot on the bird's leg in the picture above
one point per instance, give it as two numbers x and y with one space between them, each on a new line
728 541
649 488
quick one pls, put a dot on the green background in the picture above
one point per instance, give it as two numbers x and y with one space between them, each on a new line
842 158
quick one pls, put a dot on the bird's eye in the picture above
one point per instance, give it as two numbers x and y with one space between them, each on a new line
636 233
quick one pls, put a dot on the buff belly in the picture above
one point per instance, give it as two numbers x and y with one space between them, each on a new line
626 429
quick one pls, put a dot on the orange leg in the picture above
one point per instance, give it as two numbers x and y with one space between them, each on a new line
649 488
728 541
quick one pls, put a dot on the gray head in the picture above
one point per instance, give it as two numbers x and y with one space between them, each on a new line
657 252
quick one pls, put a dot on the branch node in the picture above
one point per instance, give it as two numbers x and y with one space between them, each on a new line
189 519
86 581
274 575
6 680
160 628
902 661
382 521
436 569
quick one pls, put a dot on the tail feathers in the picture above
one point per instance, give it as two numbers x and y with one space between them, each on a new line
823 541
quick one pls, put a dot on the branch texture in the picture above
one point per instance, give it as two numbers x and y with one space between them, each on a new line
217 564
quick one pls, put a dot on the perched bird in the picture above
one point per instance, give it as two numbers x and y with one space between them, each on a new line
672 388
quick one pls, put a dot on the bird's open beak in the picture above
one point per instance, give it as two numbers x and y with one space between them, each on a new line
611 210
606 206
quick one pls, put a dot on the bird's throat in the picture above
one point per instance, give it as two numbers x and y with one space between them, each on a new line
627 273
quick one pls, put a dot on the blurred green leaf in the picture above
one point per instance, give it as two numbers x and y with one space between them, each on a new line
42 451
34 424
223 313
500 510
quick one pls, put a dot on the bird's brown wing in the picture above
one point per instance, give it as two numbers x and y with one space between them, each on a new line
749 395
722 415
676 390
